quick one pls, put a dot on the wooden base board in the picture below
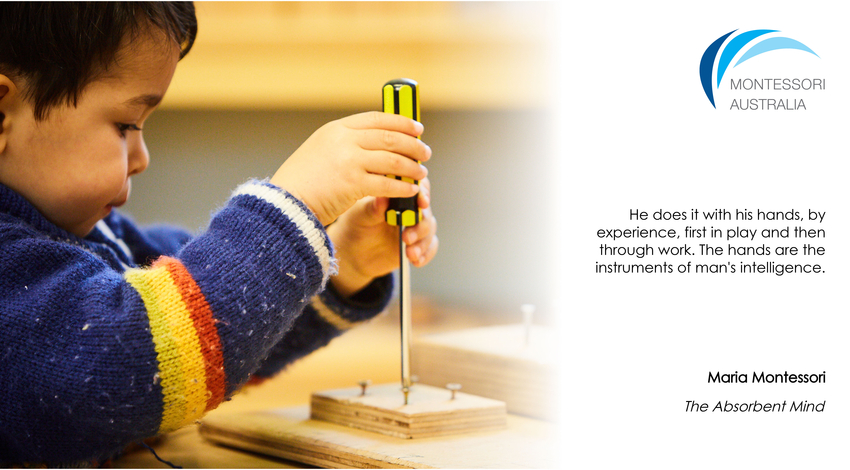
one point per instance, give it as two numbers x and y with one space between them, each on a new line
289 433
494 362
430 411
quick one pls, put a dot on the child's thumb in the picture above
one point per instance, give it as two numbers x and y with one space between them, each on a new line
374 209
380 205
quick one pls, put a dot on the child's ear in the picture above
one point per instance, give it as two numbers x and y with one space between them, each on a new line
8 95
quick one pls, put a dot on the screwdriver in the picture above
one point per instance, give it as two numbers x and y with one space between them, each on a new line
401 96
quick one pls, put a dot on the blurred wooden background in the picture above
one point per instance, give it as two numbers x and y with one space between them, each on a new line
321 55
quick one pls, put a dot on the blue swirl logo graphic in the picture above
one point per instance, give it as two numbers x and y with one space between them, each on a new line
727 53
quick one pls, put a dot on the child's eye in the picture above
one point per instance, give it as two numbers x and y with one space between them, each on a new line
123 128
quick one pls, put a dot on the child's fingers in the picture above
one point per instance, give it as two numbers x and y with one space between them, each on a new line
421 239
424 198
423 252
387 121
381 162
396 142
381 186
430 252
426 228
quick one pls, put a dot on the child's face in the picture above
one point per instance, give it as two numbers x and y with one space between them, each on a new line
76 165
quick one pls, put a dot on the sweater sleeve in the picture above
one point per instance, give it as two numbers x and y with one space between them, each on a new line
139 246
94 358
327 316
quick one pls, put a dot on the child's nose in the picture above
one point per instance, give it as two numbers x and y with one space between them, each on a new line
138 156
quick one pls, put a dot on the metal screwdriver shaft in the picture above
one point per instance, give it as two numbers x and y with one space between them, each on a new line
401 96
405 319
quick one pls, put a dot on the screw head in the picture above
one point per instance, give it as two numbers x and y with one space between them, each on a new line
363 384
454 387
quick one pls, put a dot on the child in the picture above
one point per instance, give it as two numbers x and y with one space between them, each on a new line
112 333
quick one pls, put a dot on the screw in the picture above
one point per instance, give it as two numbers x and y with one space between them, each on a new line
527 316
454 388
363 384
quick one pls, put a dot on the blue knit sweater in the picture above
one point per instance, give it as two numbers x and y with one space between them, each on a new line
130 333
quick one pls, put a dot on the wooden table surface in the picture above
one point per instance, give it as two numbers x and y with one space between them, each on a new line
369 351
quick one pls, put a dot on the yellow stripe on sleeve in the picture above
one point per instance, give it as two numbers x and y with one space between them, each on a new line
181 362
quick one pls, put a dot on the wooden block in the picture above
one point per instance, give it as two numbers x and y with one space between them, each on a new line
494 362
289 433
430 411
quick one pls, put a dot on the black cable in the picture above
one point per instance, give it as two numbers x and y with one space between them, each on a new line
157 457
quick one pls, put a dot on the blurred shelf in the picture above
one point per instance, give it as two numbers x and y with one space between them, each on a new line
336 55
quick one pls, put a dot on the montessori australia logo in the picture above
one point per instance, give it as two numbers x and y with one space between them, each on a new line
765 92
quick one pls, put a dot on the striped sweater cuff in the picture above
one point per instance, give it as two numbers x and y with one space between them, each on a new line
343 314
308 225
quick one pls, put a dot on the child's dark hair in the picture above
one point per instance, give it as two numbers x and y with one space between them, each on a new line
58 48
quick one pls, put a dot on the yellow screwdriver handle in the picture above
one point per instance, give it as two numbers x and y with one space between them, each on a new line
401 96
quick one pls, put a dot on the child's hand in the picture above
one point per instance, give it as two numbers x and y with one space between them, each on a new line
348 159
367 247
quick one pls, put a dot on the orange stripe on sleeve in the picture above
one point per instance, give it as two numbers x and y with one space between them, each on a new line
202 318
